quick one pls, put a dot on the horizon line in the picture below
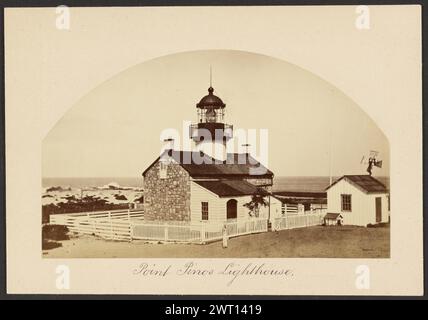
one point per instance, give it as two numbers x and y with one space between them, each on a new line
137 177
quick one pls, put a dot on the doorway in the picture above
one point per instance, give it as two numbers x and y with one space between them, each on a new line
378 209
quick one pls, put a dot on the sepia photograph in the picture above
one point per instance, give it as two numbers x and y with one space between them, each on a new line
216 153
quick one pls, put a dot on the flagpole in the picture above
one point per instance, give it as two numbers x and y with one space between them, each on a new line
330 152
330 166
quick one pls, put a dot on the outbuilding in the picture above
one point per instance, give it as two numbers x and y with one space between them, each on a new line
359 200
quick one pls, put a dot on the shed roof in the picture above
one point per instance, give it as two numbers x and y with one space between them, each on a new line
198 164
301 194
231 188
366 183
332 216
295 200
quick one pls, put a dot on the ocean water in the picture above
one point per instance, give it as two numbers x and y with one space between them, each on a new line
310 184
92 182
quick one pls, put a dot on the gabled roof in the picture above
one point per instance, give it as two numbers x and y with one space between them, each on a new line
366 183
231 188
332 216
198 164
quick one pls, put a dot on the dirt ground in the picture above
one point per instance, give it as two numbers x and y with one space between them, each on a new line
311 242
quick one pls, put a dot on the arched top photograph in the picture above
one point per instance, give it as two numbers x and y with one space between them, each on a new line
273 147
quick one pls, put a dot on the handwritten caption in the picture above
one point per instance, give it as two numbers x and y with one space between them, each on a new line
231 270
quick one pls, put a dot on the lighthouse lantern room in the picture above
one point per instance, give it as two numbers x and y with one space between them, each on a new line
210 131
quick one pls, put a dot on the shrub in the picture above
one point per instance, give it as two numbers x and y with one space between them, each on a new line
48 245
139 200
120 197
257 200
88 203
378 225
54 232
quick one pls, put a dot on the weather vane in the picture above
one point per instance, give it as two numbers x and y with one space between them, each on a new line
372 161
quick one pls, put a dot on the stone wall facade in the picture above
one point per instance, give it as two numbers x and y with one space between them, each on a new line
167 198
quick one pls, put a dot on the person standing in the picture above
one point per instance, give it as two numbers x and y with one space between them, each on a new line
225 236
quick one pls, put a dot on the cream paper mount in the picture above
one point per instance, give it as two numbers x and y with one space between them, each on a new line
214 150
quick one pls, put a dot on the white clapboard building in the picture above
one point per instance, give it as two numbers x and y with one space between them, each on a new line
357 200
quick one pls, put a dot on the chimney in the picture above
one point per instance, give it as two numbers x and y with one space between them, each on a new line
169 144
247 146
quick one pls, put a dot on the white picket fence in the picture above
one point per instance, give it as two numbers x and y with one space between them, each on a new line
298 221
130 224
196 232
292 208
113 225
321 211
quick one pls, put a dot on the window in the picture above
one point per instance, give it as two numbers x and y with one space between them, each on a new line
204 210
283 208
346 202
163 167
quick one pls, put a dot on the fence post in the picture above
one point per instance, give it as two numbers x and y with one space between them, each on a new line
165 232
131 232
94 227
307 220
111 224
88 216
129 215
202 231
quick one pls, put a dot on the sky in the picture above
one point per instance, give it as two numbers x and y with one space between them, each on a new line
115 130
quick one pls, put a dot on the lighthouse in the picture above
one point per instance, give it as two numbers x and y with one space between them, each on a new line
211 133
205 184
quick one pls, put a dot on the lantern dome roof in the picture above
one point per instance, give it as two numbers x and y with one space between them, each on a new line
210 101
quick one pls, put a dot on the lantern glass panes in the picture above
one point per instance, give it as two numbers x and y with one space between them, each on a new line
211 115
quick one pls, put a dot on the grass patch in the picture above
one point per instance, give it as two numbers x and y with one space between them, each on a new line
311 242
51 234
378 225
55 232
49 245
